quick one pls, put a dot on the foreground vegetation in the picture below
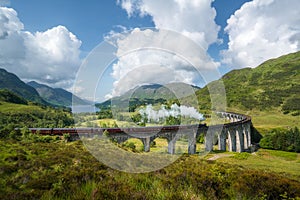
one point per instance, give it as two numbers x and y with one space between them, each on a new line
46 167
16 112
280 139
54 169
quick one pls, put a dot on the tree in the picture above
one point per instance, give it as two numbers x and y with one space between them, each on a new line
173 120
280 139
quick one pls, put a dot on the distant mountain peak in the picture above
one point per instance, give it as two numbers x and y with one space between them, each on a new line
57 96
151 93
14 84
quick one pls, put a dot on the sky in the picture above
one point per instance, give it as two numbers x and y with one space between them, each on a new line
58 42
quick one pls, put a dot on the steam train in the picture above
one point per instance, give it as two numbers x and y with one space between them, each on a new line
71 131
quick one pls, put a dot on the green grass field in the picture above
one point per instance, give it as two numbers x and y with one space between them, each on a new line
59 170
266 120
285 163
281 162
18 108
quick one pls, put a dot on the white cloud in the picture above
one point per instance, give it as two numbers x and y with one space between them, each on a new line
194 18
262 29
50 57
161 56
156 56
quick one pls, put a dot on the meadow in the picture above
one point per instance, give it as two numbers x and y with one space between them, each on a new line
56 169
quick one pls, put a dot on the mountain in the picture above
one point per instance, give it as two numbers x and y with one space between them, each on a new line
56 96
12 83
273 85
10 97
157 91
151 94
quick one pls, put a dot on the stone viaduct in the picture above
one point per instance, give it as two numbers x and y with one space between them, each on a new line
234 136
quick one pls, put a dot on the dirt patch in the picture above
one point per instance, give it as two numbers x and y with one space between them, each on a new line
217 156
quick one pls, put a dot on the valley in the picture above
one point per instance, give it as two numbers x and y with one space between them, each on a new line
33 166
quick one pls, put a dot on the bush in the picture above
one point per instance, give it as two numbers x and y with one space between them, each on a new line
129 145
67 137
280 139
241 156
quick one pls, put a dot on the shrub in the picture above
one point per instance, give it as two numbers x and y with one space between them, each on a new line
280 139
67 137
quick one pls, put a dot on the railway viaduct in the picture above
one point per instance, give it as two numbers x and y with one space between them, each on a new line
233 136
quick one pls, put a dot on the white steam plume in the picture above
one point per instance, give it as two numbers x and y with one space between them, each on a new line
175 111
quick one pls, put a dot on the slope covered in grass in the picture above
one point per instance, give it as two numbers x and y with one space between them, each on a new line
13 83
270 93
14 115
275 84
59 170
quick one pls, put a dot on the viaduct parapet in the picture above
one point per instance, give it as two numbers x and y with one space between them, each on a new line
233 136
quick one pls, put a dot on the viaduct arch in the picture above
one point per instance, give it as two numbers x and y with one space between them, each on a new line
236 134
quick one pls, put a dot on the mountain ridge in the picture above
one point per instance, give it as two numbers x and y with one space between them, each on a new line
56 96
14 84
274 84
151 94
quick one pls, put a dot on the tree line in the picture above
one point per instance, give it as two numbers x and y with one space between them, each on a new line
282 139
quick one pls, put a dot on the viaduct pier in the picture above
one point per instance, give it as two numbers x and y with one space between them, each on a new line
234 136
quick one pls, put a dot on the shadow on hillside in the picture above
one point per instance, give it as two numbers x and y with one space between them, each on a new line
255 136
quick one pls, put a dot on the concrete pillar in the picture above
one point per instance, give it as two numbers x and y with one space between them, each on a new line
232 118
239 139
227 116
192 142
248 131
171 146
222 140
231 140
146 141
236 118
209 140
238 143
245 138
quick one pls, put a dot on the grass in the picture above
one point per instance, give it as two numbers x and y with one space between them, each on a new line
289 156
18 108
266 120
59 170
284 163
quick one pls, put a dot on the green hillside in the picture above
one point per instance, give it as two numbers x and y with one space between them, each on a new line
156 91
56 96
270 91
8 96
11 82
16 112
151 94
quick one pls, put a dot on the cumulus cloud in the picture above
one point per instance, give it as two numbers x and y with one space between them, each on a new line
50 57
262 29
194 19
156 56
161 56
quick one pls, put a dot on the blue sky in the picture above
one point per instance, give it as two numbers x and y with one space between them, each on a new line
47 41
88 20
93 19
